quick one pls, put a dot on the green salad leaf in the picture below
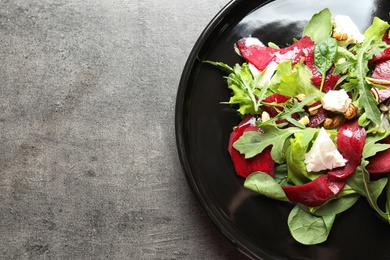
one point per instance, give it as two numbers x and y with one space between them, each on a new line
264 184
319 26
356 66
290 137
307 228
292 82
325 53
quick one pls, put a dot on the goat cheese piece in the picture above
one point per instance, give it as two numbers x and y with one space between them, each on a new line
250 41
265 75
323 155
345 31
336 101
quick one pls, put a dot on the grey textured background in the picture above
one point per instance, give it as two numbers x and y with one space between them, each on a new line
88 161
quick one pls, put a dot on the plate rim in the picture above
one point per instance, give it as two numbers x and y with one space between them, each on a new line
215 25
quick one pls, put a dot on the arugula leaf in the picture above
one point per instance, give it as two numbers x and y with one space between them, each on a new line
244 87
247 92
264 184
360 182
309 229
290 107
356 66
320 26
222 66
253 143
325 53
371 145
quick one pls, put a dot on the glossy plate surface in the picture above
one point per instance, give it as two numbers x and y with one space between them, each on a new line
257 225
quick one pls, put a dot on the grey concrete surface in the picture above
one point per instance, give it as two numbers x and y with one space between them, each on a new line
88 161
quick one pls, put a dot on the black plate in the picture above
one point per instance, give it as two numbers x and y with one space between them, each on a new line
257 225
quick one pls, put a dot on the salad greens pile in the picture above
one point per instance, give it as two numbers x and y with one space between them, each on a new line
281 98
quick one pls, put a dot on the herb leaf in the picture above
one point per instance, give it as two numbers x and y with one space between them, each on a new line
325 53
294 82
356 66
253 143
264 184
309 229
320 26
360 182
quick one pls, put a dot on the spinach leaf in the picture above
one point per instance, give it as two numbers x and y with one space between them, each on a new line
325 53
337 205
320 26
309 229
264 184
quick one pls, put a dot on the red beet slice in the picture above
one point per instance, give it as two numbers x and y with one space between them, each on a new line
382 71
350 143
330 79
316 192
277 98
319 117
261 162
380 162
378 57
261 56
385 55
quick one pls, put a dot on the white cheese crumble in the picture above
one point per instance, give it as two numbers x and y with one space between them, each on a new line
323 155
250 41
343 25
265 75
336 101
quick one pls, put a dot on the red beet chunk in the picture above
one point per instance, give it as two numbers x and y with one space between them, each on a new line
316 192
350 143
261 162
382 70
378 57
380 162
296 51
385 55
261 56
274 98
319 117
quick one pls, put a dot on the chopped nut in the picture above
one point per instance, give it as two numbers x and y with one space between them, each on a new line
328 123
335 122
300 97
340 36
313 110
265 116
304 120
383 108
351 111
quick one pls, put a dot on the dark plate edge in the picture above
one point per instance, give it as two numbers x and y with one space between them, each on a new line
215 25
